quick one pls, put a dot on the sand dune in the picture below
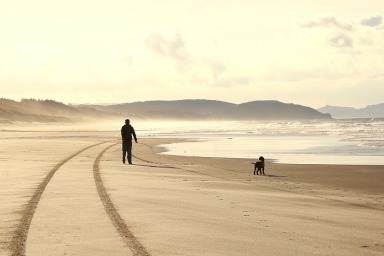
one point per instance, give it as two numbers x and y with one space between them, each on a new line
70 194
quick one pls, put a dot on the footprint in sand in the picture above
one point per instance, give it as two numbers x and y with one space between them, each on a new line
246 213
220 198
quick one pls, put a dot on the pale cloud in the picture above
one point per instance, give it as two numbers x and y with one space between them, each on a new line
328 49
216 67
169 45
327 21
189 67
341 41
372 21
344 34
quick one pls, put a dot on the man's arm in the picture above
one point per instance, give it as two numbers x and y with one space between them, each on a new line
134 134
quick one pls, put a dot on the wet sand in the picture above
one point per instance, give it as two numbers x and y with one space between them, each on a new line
68 193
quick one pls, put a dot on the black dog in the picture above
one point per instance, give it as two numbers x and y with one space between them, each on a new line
259 166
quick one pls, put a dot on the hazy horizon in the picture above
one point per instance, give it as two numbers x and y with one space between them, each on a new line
149 100
303 52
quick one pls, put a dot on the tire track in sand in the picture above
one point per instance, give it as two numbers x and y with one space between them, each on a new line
17 245
130 240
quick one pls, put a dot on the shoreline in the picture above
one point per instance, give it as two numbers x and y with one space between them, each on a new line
335 175
277 150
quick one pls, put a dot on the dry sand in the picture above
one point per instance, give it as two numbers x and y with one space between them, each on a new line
68 193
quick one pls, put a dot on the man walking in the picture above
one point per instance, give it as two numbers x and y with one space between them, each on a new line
126 135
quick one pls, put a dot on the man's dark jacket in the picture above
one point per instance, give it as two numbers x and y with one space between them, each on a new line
126 133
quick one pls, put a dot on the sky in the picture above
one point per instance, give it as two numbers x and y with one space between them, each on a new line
307 52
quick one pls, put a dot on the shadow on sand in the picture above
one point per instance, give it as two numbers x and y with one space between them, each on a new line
272 176
155 166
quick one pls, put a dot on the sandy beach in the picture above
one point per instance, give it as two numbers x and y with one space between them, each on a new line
68 193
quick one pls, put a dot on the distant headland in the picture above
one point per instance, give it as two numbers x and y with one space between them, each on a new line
31 110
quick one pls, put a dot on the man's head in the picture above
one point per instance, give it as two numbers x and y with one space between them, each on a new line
126 121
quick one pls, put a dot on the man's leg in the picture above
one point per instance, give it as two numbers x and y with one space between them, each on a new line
124 151
129 149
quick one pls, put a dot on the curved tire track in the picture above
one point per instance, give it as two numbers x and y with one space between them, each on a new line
130 240
18 243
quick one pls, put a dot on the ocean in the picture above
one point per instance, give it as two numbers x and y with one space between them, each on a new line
345 141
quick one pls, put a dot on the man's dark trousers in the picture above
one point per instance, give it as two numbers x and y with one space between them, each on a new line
127 149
